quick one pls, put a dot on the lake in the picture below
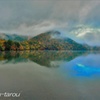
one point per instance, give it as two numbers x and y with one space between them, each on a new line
50 75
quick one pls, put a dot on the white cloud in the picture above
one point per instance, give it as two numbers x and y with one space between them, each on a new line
40 28
87 34
31 17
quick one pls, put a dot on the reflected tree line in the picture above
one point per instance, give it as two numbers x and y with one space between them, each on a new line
42 58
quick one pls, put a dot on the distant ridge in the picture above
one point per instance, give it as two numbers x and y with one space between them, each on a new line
13 37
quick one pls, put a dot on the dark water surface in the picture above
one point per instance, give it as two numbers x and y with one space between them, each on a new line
50 75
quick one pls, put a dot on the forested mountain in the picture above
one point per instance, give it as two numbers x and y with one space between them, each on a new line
51 40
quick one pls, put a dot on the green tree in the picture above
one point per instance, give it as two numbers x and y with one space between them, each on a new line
8 44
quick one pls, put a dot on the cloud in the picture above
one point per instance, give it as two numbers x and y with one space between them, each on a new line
31 17
87 34
39 28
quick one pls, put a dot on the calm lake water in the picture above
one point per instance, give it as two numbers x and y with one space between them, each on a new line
50 75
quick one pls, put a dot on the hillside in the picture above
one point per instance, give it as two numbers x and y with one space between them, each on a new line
52 40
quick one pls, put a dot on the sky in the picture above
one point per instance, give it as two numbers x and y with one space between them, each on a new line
77 19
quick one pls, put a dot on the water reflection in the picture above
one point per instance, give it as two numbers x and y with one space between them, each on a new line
80 63
84 66
87 66
43 58
67 75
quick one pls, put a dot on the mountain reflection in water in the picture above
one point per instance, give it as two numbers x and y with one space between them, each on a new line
84 63
50 75
43 58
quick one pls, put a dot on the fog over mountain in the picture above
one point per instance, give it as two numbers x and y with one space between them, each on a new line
77 19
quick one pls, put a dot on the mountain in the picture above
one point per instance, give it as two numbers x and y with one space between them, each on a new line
13 37
53 40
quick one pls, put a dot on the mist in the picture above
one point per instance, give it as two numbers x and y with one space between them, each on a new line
76 19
